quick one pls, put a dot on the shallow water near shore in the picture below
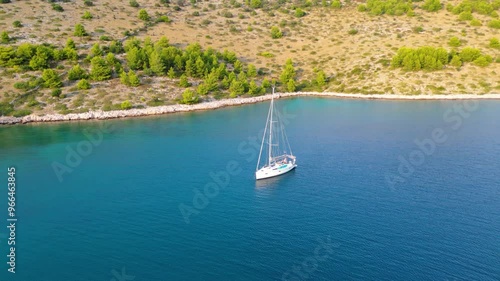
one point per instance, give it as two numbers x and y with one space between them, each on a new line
365 202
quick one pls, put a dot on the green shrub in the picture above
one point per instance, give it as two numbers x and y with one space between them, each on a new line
494 24
475 22
4 37
299 13
390 7
456 61
87 15
465 16
88 3
79 30
483 61
189 97
77 73
21 112
276 32
56 92
17 24
51 79
133 3
57 7
454 42
6 108
83 84
494 43
432 5
143 15
256 4
353 32
126 105
427 58
469 54
336 4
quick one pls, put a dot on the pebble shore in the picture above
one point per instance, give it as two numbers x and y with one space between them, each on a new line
101 115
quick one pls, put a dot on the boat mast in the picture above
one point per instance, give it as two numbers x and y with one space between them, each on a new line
271 128
263 138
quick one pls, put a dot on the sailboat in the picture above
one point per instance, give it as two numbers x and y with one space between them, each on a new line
280 159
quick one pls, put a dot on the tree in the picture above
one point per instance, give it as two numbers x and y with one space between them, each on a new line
77 73
456 61
432 5
320 78
95 50
189 97
171 73
143 15
276 32
41 59
70 44
80 30
183 81
4 38
83 85
253 89
133 79
99 69
236 88
252 71
51 79
288 72
290 86
156 63
135 58
17 24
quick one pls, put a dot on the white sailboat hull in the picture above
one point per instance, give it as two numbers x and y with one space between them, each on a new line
273 171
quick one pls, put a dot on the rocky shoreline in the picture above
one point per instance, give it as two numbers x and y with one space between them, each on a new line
101 115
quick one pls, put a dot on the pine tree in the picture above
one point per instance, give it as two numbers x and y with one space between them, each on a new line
124 78
135 58
133 79
236 89
51 79
252 71
80 30
77 73
143 15
83 85
290 86
183 81
99 69
4 38
156 63
171 73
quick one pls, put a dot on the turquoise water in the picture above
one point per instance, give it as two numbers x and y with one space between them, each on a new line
365 202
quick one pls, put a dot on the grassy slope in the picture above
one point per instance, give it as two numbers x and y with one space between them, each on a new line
319 40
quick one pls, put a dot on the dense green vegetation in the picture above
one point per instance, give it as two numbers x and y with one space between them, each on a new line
430 58
203 71
389 7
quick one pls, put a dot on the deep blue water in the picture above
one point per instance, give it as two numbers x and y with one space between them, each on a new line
346 212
